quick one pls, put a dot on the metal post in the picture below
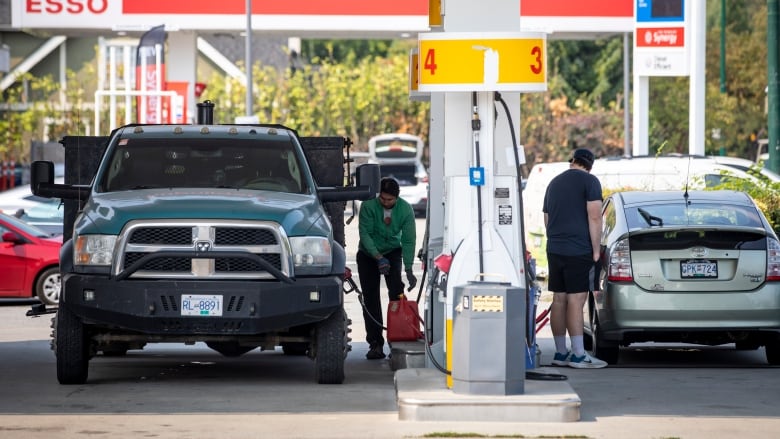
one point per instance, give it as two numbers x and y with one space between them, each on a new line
773 110
626 102
723 46
248 56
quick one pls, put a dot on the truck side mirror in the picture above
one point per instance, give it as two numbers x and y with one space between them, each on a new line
41 172
368 175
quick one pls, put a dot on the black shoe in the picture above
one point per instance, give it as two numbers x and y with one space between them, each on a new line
375 353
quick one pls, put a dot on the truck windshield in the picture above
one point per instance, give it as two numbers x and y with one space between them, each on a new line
204 163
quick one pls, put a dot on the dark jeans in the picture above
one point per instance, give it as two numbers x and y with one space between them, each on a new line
369 284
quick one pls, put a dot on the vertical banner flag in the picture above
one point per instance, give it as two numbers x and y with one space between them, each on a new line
150 75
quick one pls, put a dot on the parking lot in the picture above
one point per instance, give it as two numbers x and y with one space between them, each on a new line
177 391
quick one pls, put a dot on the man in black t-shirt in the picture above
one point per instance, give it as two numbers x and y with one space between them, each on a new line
572 216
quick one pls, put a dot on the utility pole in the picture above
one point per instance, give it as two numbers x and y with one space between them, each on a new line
248 57
773 110
723 46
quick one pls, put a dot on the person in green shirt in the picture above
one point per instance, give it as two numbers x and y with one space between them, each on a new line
387 241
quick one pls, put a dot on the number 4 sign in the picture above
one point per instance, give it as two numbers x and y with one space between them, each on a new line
476 61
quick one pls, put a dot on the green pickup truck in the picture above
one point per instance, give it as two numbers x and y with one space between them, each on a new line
202 233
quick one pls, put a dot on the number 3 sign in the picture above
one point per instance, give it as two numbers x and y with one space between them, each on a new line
476 61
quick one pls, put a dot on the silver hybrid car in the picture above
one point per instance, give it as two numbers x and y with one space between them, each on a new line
700 267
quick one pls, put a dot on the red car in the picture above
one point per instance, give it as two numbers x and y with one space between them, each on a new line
29 261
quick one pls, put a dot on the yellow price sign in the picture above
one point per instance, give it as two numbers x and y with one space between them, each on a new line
414 78
475 61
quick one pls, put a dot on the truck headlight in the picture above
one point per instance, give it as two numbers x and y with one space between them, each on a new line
311 254
94 249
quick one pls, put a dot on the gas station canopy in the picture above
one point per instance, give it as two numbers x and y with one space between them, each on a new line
306 18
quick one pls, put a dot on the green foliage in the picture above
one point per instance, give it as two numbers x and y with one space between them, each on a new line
765 192
39 109
358 98
337 51
590 69
550 128
740 110
15 126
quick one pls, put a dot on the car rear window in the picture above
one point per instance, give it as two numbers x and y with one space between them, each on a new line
403 173
678 214
685 239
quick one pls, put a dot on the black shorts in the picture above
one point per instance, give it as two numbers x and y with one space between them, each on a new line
571 274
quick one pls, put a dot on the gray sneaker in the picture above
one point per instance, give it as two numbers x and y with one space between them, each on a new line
586 362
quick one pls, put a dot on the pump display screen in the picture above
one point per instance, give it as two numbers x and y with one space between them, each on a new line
666 8
660 11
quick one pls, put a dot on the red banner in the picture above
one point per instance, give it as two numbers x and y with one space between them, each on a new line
531 8
150 76
286 7
576 8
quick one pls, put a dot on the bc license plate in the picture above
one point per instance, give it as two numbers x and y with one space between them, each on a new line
201 305
698 269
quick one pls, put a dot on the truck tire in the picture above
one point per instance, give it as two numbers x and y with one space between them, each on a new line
229 348
331 346
71 347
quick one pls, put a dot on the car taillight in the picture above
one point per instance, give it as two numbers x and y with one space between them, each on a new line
772 260
424 179
619 269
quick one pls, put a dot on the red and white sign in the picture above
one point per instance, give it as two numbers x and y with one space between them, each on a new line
660 37
660 44
360 18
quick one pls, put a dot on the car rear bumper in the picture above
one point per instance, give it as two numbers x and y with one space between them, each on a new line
154 307
626 308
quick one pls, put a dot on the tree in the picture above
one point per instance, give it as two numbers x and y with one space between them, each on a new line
356 98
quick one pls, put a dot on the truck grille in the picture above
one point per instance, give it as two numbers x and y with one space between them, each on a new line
265 240
162 235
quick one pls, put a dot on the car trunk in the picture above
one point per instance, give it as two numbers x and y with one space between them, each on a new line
698 259
405 174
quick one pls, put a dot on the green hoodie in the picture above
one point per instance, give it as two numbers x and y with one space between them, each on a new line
377 238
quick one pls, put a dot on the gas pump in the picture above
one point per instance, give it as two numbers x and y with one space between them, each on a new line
477 53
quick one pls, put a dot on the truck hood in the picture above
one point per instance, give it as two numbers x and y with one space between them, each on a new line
298 214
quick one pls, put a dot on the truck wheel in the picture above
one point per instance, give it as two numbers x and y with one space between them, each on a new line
47 287
71 347
331 347
229 348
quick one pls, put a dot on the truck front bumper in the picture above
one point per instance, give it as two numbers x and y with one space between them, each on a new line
154 307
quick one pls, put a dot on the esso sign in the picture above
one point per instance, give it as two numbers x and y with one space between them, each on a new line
66 6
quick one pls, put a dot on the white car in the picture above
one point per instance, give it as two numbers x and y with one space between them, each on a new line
45 213
399 156
413 181
746 165
621 174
